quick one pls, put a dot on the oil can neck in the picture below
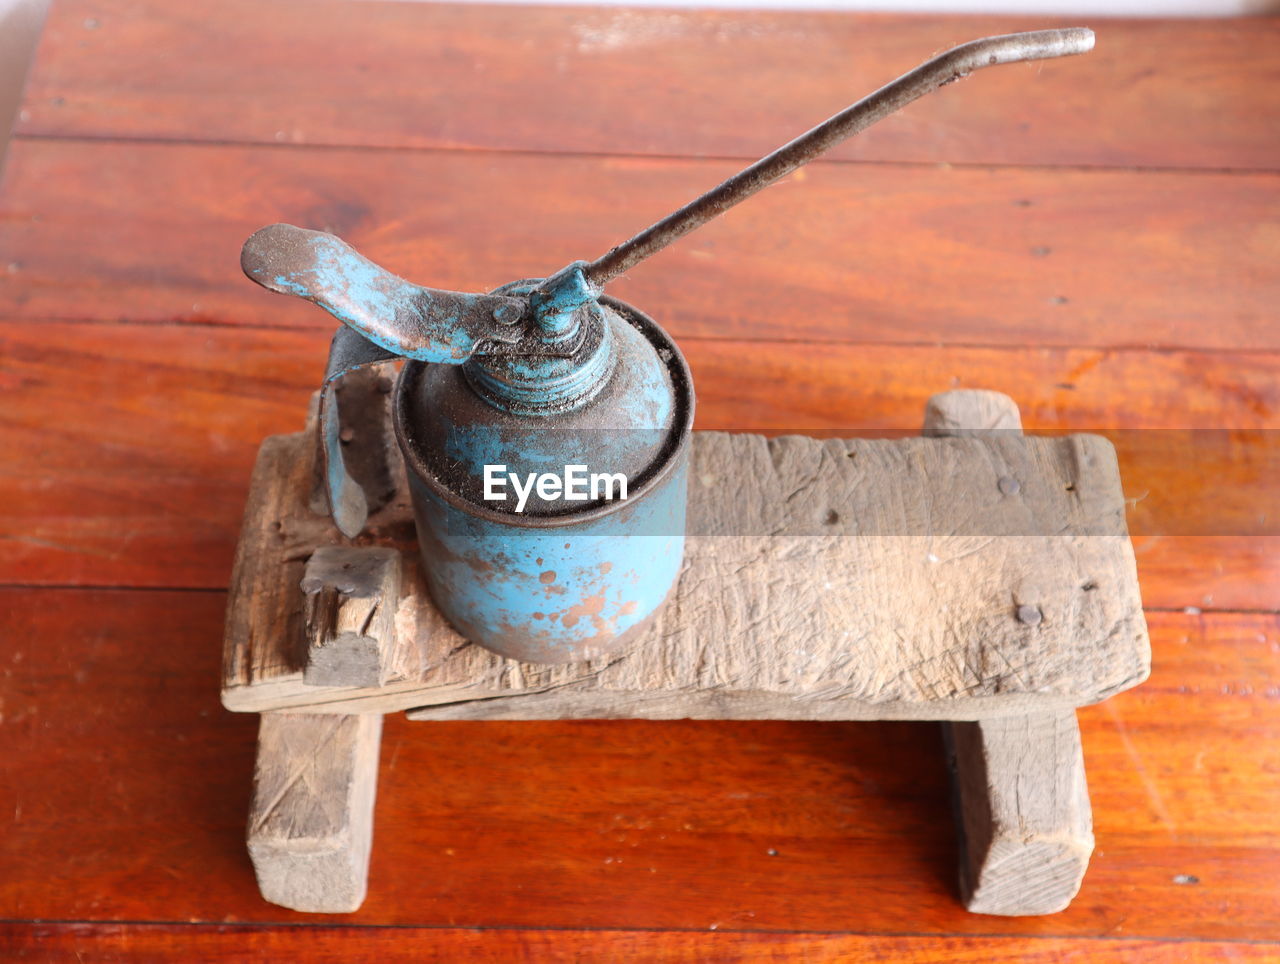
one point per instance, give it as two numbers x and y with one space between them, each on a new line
575 356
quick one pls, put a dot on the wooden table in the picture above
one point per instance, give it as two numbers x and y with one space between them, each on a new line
1096 237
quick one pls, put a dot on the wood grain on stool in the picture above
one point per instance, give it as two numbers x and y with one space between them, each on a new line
1026 823
1025 820
311 820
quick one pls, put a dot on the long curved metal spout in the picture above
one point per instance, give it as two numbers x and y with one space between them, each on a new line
951 66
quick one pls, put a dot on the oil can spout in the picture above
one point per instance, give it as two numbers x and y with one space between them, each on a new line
406 319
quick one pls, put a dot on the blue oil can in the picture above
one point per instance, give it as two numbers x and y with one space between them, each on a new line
576 570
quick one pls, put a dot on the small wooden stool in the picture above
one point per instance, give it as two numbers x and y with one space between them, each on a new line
975 576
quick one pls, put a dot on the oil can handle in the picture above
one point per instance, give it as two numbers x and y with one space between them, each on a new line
956 63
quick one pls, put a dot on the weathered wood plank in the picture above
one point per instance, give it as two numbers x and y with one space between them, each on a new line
1025 815
971 412
818 555
146 486
311 819
611 81
841 253
1186 771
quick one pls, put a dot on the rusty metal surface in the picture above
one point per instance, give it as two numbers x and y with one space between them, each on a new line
556 582
349 500
638 425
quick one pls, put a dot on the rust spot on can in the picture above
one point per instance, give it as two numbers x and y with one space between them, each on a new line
591 606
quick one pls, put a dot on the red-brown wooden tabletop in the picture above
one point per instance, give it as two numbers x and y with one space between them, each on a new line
1098 237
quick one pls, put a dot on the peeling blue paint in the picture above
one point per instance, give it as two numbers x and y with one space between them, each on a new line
565 584
609 576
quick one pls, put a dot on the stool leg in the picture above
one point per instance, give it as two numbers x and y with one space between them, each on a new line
1024 815
1025 822
311 820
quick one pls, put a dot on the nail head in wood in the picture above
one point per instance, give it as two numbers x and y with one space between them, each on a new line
1030 615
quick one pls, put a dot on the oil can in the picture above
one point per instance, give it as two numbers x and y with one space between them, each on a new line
551 376
536 377
559 580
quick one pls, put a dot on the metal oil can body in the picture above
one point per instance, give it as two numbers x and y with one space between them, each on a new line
553 580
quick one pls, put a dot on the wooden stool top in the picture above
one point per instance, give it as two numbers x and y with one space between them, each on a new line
917 578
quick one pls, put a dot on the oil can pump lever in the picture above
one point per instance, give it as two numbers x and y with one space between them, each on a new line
951 66
399 316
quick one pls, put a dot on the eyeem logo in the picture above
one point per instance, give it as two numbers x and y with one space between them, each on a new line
576 485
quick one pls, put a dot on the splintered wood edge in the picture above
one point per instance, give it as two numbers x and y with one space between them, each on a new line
351 596
564 704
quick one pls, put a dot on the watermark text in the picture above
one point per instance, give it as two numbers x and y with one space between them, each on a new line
575 484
